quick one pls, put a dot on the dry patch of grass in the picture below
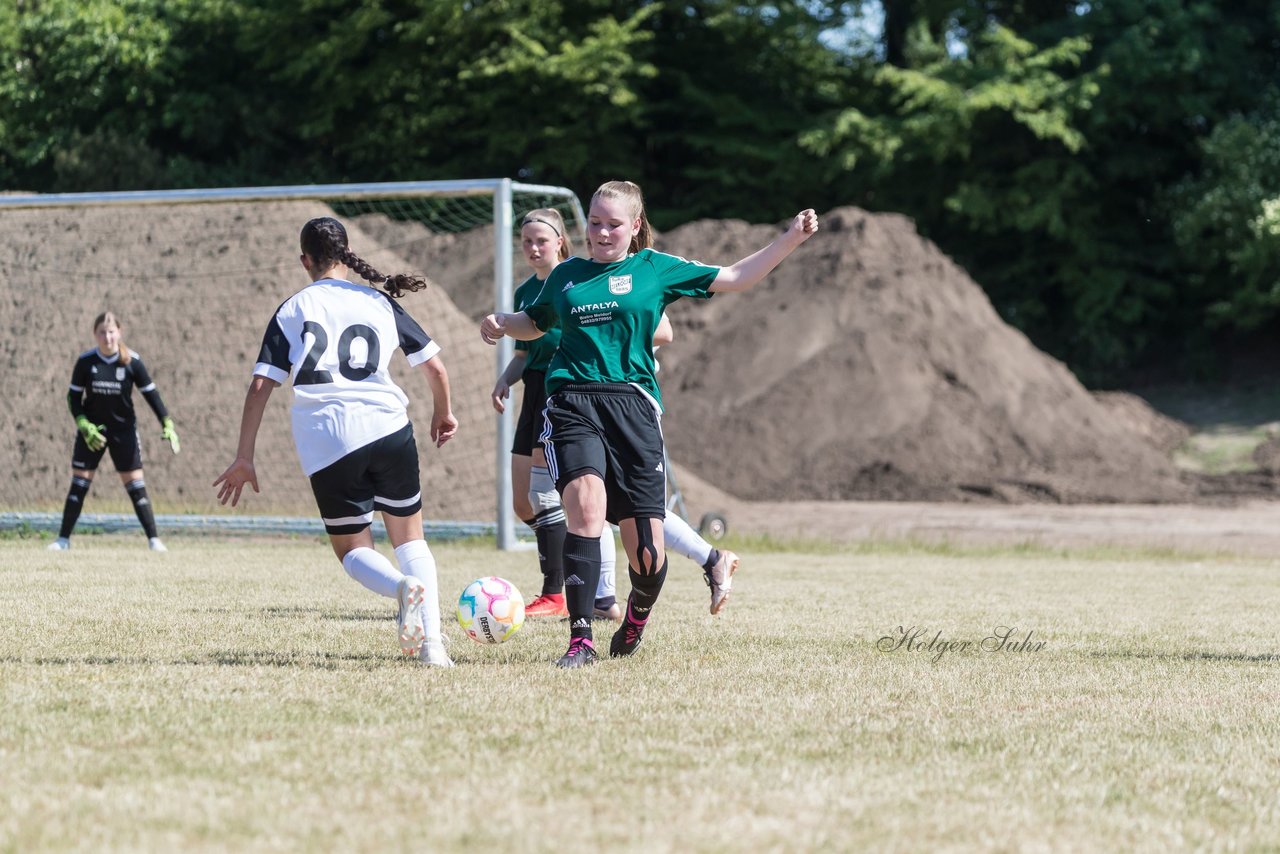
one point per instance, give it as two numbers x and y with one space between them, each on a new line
246 694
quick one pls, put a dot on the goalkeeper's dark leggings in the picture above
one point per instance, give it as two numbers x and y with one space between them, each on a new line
136 487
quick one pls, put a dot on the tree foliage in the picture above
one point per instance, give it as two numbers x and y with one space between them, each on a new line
1226 220
1043 159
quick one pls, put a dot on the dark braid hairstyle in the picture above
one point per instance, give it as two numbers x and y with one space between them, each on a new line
324 241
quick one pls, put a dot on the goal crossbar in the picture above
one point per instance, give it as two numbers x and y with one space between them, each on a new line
384 190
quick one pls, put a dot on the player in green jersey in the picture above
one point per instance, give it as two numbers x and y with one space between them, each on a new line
545 243
601 429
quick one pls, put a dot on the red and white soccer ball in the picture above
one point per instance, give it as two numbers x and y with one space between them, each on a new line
490 610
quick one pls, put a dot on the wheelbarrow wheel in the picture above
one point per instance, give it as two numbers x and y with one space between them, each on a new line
713 526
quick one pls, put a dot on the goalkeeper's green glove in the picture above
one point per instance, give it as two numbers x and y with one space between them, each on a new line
93 434
170 434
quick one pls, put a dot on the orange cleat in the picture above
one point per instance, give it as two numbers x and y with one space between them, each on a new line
547 605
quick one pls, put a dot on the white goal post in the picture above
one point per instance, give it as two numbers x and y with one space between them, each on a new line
443 206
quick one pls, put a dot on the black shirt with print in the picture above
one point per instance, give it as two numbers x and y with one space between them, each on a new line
102 388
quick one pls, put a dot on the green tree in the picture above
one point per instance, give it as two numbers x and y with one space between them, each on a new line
982 150
1040 159
146 93
422 89
1226 221
82 79
738 84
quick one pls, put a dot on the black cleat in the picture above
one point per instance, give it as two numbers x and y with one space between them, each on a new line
580 654
627 638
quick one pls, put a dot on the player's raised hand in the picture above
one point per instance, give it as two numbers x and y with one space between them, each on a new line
443 427
501 391
493 327
805 224
233 480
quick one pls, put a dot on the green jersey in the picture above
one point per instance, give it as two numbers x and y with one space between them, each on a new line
609 312
540 350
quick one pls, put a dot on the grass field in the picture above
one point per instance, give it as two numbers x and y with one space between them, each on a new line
245 694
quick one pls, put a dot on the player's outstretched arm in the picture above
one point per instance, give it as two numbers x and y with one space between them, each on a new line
240 472
519 326
443 424
750 270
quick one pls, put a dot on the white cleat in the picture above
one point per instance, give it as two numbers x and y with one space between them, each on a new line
411 593
433 653
61 544
155 545
720 579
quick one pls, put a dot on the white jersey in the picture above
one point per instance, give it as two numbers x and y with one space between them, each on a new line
336 339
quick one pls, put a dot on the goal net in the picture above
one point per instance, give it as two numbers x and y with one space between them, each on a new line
195 275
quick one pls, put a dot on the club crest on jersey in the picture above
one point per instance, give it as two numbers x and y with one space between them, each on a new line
120 373
619 285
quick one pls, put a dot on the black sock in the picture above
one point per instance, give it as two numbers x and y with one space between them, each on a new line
581 575
644 591
75 503
712 559
137 490
550 536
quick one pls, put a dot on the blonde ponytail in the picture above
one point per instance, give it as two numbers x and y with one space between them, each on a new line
629 192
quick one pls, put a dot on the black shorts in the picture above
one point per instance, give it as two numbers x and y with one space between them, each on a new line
531 405
612 430
383 475
122 442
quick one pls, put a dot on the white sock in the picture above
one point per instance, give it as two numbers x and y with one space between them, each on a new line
681 538
373 571
608 561
416 559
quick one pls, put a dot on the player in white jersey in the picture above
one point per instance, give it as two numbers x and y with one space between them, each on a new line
350 423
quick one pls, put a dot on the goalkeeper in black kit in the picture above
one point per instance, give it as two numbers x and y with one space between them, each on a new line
101 401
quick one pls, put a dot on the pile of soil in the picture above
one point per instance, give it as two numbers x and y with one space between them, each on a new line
1158 430
867 366
870 366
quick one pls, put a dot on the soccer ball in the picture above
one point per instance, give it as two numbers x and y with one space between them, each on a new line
490 610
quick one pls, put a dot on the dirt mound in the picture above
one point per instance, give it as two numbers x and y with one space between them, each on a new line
195 286
1158 430
867 366
870 366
